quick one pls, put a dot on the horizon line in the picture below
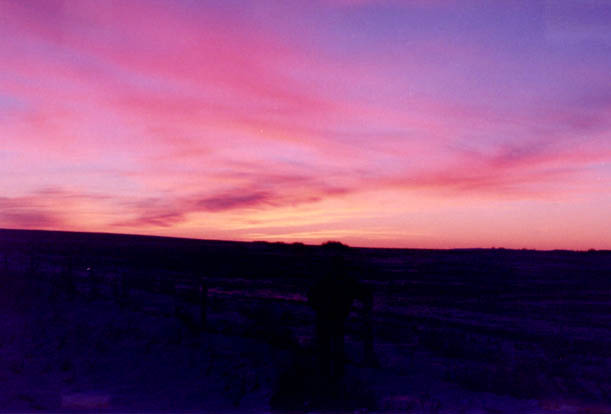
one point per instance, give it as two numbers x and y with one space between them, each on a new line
288 243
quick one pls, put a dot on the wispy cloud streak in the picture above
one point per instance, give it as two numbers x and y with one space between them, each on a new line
204 119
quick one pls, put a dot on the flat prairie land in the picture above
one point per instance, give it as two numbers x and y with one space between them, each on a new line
101 321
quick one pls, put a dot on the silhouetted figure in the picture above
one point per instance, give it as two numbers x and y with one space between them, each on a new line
203 302
6 261
331 298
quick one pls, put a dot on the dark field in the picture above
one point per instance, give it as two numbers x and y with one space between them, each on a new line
482 331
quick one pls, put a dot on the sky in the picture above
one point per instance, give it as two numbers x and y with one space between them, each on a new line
382 123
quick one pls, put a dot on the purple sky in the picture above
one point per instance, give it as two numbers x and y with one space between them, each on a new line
378 123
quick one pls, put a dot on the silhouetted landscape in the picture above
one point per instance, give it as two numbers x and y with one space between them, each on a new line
305 206
118 322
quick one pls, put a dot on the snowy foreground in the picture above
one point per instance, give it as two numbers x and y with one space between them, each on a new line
98 350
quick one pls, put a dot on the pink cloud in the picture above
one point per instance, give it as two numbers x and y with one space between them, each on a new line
29 219
177 114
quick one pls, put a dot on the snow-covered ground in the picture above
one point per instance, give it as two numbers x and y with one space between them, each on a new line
534 344
58 354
